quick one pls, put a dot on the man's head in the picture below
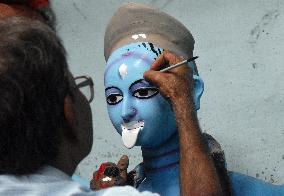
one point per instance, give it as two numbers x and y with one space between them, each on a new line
134 38
34 9
40 105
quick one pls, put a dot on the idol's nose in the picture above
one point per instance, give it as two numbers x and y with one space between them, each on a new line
128 111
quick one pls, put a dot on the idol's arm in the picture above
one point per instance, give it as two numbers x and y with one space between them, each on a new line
197 172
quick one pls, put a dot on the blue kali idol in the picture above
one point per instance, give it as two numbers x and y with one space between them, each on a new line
143 117
135 107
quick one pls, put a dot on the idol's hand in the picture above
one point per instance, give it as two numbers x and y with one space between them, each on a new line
175 84
110 174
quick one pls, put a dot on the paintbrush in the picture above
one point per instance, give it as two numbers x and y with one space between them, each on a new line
178 64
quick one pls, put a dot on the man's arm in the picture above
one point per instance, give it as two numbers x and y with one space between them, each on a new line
197 172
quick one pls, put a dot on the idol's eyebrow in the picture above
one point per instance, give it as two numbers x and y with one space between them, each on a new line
138 81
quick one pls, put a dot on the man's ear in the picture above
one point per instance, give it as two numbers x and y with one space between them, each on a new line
71 121
69 112
198 90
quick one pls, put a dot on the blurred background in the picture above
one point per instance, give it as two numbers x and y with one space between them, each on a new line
240 45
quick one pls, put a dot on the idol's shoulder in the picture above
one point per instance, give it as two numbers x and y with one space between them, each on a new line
244 185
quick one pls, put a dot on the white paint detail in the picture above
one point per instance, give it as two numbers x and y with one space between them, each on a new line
143 35
122 70
136 36
130 132
106 179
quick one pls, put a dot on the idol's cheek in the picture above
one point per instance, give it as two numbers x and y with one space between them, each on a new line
114 112
159 122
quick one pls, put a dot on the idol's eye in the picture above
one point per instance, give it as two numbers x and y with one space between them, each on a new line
145 93
113 99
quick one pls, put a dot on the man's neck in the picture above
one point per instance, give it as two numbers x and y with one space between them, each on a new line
67 159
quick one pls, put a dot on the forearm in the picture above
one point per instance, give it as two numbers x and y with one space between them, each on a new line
197 172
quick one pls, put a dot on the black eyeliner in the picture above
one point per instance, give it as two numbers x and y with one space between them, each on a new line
112 87
137 81
148 88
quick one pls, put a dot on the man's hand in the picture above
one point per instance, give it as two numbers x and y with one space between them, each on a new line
198 175
174 84
110 174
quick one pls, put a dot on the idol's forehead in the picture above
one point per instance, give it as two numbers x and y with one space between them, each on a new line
128 63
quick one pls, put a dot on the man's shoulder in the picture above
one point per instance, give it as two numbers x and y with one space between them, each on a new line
27 186
124 191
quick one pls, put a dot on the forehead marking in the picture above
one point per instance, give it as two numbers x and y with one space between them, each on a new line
122 71
123 57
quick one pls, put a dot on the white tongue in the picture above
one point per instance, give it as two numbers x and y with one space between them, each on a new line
129 137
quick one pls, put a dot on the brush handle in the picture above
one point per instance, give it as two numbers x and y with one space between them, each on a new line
178 64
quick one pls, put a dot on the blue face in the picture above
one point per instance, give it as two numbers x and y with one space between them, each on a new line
136 109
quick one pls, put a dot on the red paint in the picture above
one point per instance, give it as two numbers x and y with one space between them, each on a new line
38 4
101 171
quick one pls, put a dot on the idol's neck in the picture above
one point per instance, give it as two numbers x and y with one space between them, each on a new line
162 157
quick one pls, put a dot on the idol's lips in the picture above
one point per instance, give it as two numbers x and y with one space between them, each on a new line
133 125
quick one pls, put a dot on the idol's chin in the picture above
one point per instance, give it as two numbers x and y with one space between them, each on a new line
146 143
150 142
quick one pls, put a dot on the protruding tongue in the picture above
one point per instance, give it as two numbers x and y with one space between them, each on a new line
129 137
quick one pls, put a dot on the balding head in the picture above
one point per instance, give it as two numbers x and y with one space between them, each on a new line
29 9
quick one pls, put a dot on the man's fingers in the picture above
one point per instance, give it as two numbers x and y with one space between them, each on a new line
155 77
165 59
160 63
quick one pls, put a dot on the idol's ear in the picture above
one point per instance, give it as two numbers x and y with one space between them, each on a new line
198 91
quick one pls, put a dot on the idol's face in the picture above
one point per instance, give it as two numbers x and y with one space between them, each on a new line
136 109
